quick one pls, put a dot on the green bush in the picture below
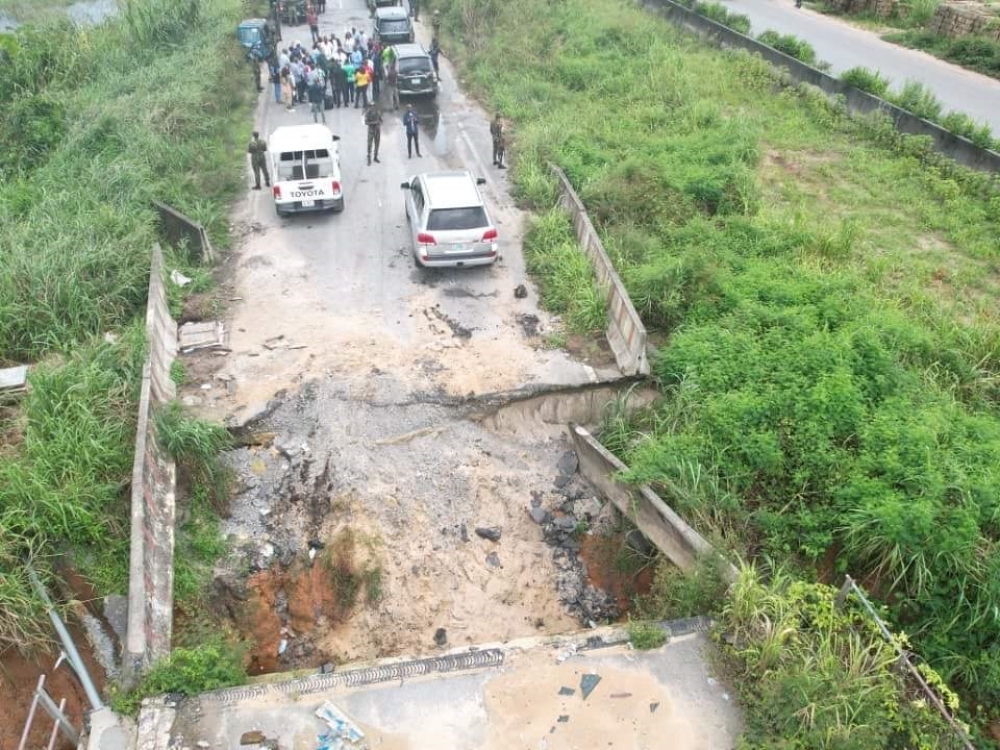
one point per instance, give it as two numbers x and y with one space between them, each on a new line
916 98
721 14
815 677
214 664
867 80
645 636
790 44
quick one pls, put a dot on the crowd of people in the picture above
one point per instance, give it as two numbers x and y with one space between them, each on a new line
336 71
352 70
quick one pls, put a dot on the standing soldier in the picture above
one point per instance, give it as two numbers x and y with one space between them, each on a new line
258 160
415 9
373 119
496 132
412 125
435 24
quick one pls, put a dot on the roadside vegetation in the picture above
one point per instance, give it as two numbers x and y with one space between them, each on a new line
909 28
823 293
95 123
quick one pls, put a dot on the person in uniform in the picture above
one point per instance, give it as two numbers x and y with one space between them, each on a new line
435 24
258 160
373 119
415 9
434 52
496 133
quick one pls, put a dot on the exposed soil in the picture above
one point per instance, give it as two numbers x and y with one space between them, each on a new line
614 568
19 675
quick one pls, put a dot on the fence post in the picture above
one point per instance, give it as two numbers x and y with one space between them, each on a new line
845 589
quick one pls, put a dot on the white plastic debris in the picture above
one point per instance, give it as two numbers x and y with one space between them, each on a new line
341 727
566 653
178 278
282 646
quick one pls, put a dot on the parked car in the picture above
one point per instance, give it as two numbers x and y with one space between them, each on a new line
449 222
416 71
392 26
374 4
256 37
305 169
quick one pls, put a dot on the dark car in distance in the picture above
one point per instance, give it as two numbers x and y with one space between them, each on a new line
392 26
416 72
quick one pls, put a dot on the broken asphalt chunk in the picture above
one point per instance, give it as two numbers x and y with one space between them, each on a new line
492 533
566 691
563 718
587 684
252 738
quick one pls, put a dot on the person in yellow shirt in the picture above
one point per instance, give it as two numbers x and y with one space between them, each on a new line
361 80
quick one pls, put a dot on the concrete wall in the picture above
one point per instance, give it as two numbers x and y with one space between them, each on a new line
177 227
956 147
671 534
154 480
626 332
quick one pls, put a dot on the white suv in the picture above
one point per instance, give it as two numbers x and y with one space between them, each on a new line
449 223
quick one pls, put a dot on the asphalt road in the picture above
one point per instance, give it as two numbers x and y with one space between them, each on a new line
845 46
325 294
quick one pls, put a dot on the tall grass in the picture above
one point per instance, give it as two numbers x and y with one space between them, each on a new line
826 303
96 122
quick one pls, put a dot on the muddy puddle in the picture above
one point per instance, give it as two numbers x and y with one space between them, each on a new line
367 529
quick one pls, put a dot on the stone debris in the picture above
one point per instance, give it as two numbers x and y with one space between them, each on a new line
567 691
493 560
492 533
653 706
563 718
255 737
520 291
440 637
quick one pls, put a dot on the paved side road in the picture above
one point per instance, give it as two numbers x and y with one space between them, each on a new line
845 46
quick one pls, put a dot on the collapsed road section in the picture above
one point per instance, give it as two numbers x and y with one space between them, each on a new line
370 528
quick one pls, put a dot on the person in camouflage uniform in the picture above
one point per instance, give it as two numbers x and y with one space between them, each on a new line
496 133
257 150
373 119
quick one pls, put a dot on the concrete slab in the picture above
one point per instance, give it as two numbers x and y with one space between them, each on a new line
661 698
13 378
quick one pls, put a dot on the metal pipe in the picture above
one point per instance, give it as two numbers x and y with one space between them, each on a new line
74 656
31 713
61 721
55 727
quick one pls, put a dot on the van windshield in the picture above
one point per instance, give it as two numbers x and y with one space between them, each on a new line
409 66
445 219
305 165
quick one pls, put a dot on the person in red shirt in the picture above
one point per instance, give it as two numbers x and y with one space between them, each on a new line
312 18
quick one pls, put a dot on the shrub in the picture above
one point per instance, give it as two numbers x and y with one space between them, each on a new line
815 677
720 14
916 98
790 44
867 80
645 636
215 664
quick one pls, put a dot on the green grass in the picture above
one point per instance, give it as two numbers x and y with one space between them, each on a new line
825 289
645 636
95 123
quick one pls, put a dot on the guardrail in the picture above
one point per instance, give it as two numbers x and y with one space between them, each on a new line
658 522
177 227
154 482
626 332
962 150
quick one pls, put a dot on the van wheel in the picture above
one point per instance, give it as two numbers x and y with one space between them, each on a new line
281 214
338 207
